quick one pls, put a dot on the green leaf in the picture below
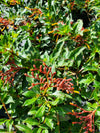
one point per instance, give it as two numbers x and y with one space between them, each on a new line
29 79
46 38
45 131
88 80
30 101
90 68
39 130
96 84
31 121
49 123
9 100
43 126
29 93
98 70
2 121
49 4
4 131
62 39
58 49
68 96
24 27
79 60
57 129
79 27
6 58
76 52
9 124
40 111
24 128
32 112
35 130
58 94
94 94
1 106
98 113
55 102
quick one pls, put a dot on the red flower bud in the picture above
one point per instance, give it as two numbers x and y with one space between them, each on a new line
40 68
44 70
32 73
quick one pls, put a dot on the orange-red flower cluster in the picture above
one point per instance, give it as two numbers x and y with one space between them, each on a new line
10 74
87 120
80 40
4 21
48 79
36 11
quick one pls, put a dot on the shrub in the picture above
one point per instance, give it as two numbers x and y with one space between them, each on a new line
50 66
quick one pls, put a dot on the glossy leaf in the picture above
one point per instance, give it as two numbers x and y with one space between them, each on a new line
40 112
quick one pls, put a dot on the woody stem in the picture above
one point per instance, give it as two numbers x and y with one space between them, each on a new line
58 122
7 112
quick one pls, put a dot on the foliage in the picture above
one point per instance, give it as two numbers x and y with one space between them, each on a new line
50 66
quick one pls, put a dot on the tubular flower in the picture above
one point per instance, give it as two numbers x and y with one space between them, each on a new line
87 120
48 79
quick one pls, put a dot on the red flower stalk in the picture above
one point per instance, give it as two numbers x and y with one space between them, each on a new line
36 11
5 22
80 40
72 5
88 120
10 74
48 79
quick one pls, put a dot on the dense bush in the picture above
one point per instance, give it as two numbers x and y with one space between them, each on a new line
50 66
